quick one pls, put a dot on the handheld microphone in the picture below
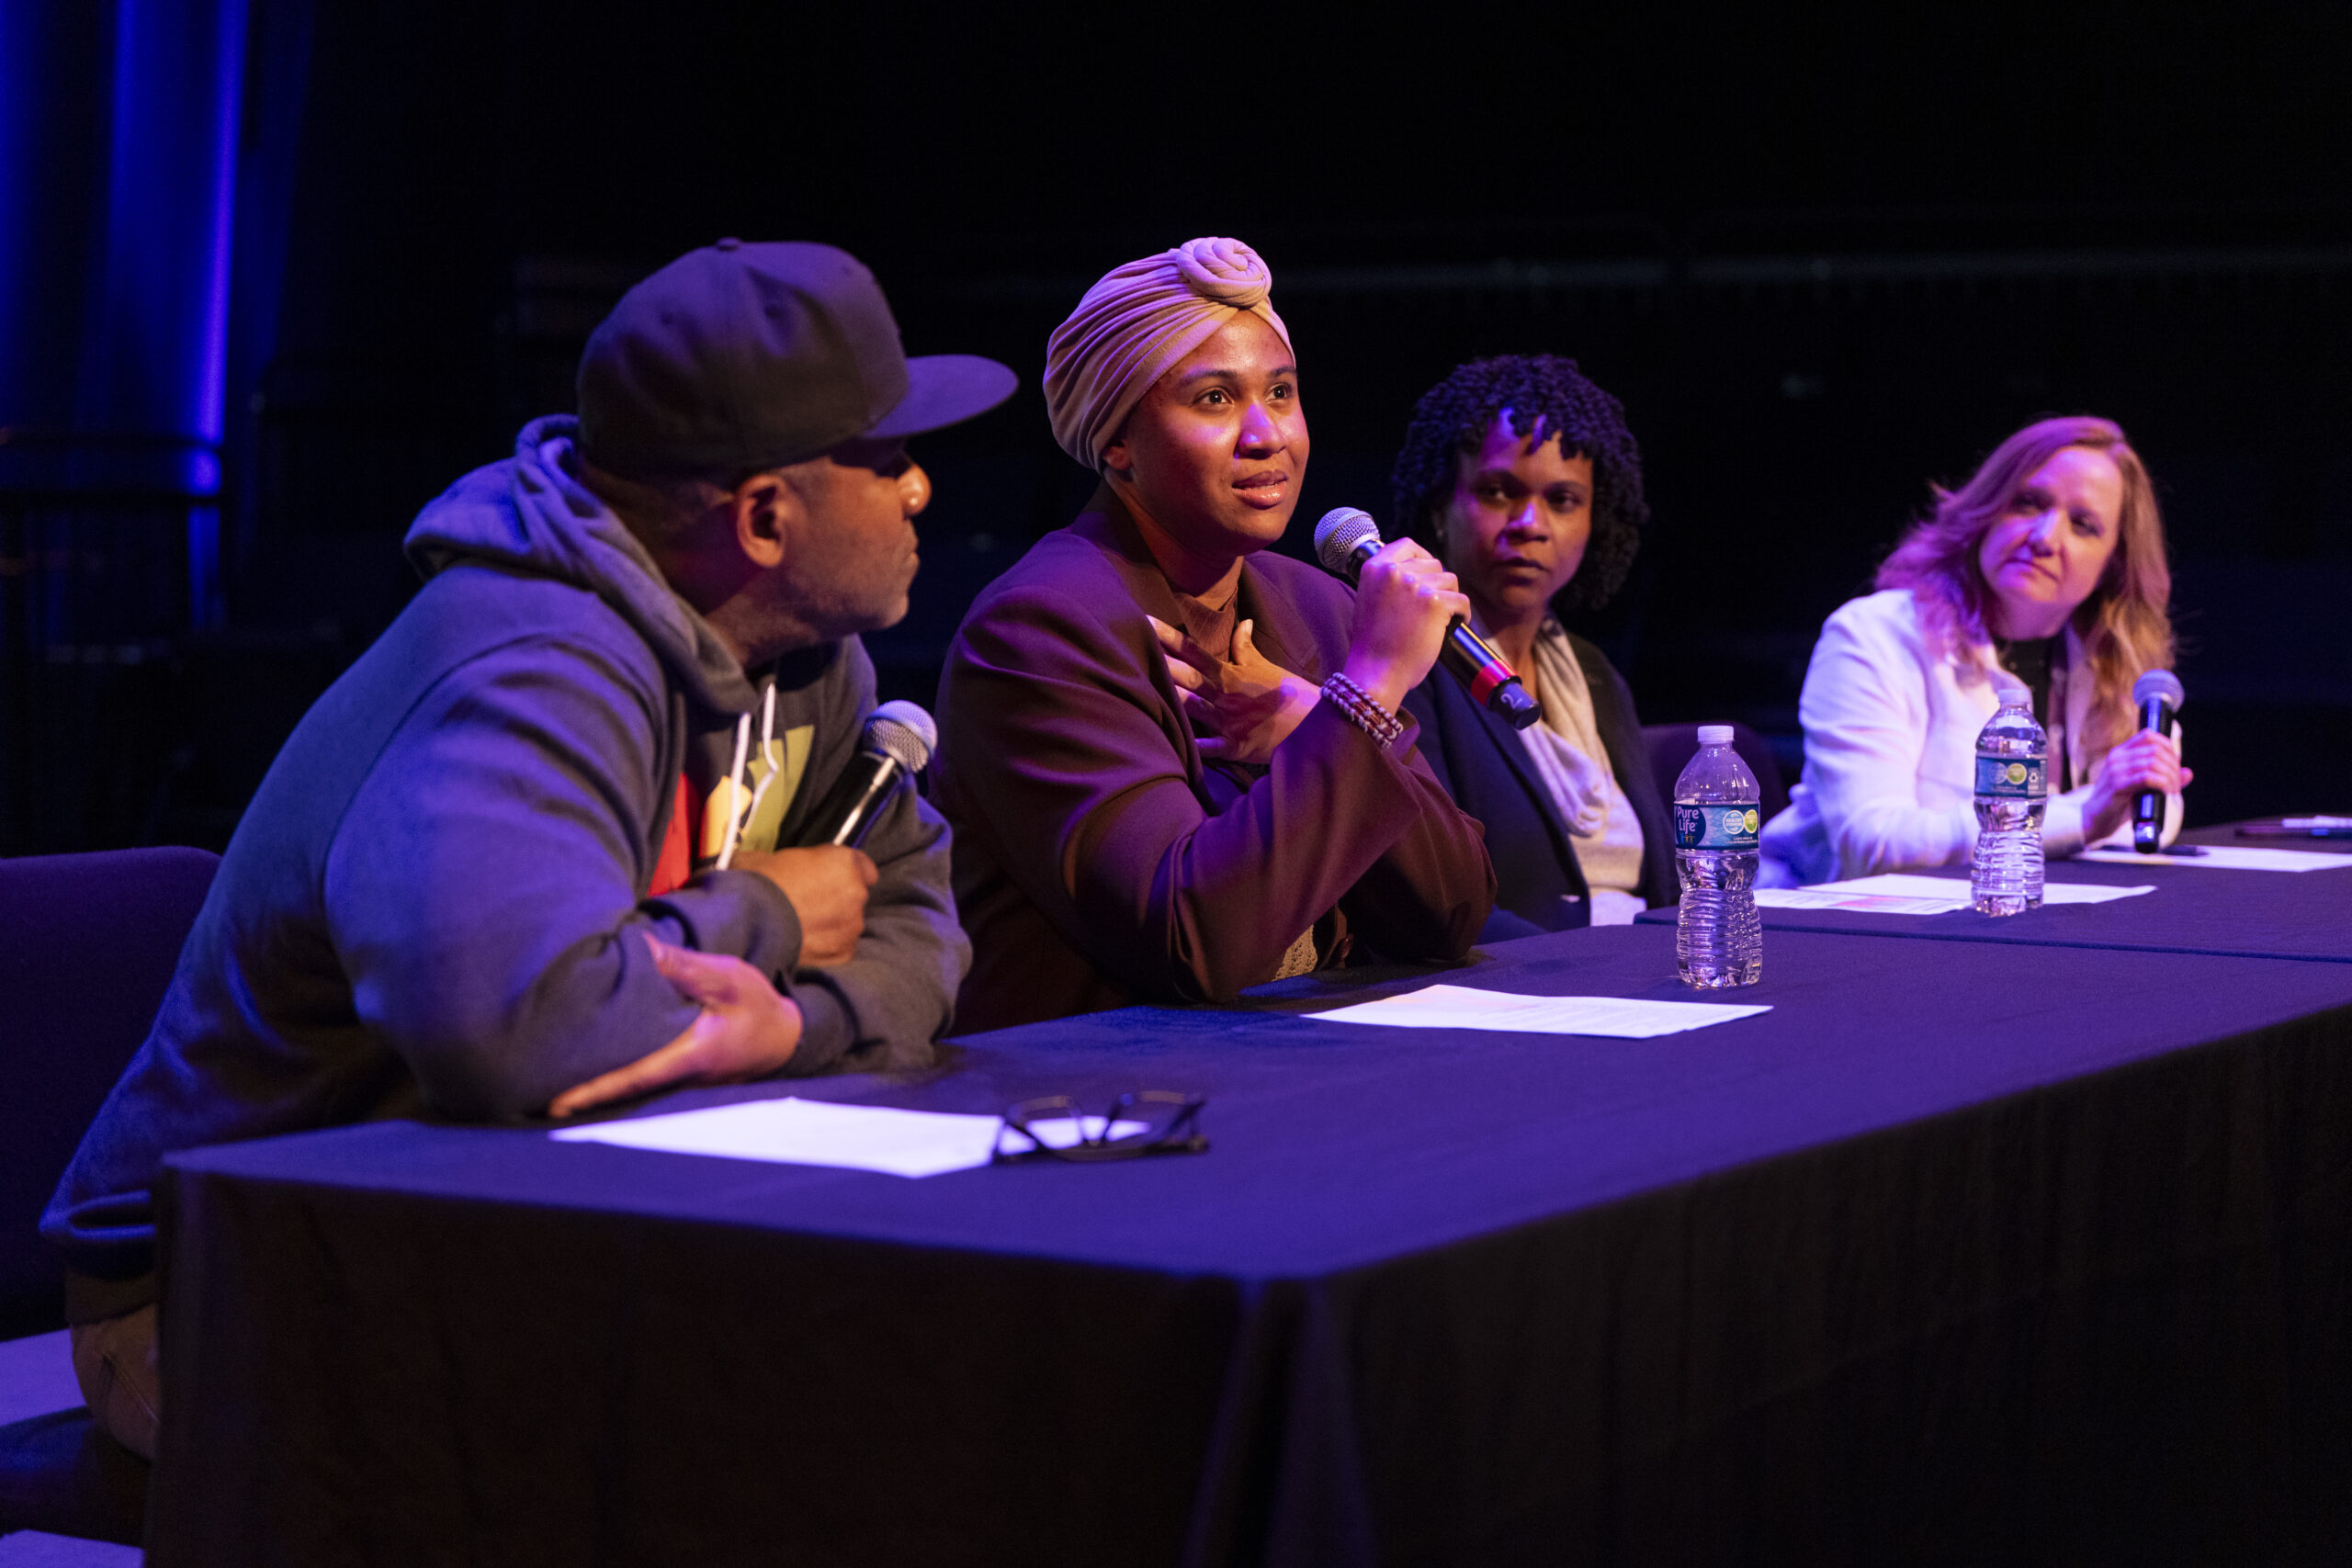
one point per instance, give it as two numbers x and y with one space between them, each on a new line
2158 697
1347 537
897 743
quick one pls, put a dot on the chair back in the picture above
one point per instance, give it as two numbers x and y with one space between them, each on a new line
87 946
1671 746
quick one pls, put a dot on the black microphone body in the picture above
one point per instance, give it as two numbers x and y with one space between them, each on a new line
1468 657
2158 695
897 744
846 814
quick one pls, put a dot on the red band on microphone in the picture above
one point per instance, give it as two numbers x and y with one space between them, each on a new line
1491 674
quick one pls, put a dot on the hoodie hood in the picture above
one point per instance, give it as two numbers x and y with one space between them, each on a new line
531 513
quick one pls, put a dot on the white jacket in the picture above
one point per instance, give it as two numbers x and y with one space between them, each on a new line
1890 752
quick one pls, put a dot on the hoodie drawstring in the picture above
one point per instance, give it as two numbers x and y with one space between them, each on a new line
737 823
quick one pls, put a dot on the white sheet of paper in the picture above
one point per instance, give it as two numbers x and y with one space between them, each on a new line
1905 893
1459 1007
809 1132
1858 903
2228 857
2089 892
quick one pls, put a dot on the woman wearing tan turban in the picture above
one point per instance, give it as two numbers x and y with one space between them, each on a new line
1102 854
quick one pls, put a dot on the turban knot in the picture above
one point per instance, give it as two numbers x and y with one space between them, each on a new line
1136 323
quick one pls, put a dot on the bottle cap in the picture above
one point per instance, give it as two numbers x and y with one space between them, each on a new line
1714 735
2010 692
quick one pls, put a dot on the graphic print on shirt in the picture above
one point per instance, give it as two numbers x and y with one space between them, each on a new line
752 810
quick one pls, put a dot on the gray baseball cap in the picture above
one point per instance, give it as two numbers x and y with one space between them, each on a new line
739 357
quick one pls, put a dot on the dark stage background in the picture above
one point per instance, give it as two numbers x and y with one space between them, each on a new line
1824 255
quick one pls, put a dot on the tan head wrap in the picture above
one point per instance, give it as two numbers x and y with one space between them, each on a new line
1136 323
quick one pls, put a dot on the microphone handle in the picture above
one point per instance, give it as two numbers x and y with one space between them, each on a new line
1471 659
2148 804
856 799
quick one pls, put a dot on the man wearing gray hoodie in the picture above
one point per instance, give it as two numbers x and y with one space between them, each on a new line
531 853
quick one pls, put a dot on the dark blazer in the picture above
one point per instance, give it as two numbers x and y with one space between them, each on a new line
1098 861
1538 884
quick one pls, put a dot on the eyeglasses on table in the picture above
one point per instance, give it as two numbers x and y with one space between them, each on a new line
1147 1121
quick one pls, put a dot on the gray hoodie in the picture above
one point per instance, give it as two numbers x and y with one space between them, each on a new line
431 906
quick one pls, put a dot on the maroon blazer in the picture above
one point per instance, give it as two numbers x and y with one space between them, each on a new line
1099 862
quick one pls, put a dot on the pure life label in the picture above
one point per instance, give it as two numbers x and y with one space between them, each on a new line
1715 827
2012 778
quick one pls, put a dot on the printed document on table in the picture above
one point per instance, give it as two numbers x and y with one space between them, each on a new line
2089 892
1899 892
2227 857
1459 1007
809 1132
1889 895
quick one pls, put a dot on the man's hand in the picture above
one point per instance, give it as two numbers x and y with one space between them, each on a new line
2144 760
1404 600
1248 703
827 887
746 1031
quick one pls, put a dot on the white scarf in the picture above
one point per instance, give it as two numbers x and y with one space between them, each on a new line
1565 747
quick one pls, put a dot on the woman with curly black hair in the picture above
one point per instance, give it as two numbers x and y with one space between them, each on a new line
1520 475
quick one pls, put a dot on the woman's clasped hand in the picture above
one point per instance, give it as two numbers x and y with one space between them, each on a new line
2143 762
1244 703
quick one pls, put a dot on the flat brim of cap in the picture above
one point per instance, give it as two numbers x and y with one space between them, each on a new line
947 389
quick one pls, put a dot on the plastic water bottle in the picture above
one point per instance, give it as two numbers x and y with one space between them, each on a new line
2012 794
1718 939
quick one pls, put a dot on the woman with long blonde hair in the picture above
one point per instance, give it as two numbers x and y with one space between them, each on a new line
2050 564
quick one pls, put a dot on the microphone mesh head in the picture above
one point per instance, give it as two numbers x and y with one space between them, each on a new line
2157 684
1337 536
903 732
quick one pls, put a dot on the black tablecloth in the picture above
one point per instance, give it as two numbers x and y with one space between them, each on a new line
1963 1252
2195 909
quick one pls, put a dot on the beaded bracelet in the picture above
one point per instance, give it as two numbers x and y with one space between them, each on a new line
1353 700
